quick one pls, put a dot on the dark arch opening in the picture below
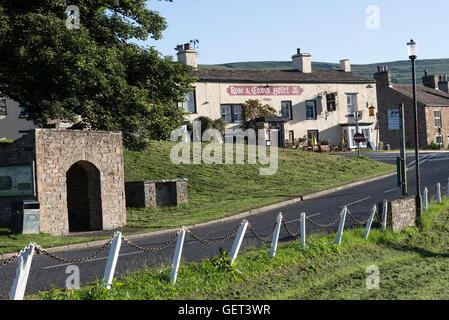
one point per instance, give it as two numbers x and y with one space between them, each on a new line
84 197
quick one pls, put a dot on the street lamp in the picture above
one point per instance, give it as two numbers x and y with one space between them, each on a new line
413 54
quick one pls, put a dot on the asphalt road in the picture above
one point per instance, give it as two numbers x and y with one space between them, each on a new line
47 273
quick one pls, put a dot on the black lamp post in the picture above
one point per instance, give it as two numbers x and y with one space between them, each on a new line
413 54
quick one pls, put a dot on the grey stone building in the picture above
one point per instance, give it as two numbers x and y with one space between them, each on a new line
433 110
77 176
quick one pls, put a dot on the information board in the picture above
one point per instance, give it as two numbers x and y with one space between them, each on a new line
393 119
16 181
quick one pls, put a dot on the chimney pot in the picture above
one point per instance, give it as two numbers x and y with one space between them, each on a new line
302 62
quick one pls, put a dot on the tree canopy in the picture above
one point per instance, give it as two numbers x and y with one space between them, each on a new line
94 73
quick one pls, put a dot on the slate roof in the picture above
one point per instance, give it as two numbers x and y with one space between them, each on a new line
279 76
425 95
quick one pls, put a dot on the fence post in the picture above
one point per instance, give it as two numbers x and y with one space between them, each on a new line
275 239
370 222
177 256
341 226
426 198
238 241
22 271
439 192
384 215
303 231
112 259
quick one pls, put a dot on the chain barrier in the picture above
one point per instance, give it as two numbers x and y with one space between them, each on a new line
157 249
292 234
331 224
355 220
263 239
39 249
215 242
17 255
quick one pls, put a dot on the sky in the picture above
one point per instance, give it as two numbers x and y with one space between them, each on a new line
364 31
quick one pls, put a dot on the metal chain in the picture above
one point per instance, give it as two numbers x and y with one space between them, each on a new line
289 232
325 225
263 239
74 261
355 220
157 249
215 242
17 255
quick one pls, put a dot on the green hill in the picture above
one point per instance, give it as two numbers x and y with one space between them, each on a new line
401 70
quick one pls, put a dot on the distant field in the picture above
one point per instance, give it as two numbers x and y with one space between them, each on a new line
401 70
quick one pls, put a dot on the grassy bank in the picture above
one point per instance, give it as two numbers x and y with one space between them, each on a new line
216 191
412 265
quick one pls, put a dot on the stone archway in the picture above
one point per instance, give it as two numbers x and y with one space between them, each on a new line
84 204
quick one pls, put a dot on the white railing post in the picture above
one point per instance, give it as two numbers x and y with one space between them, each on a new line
112 259
275 239
177 256
22 271
238 241
384 215
341 226
439 192
426 198
303 231
370 222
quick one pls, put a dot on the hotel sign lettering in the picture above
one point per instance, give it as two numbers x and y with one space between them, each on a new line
265 90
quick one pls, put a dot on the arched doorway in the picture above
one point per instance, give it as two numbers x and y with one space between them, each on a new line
84 197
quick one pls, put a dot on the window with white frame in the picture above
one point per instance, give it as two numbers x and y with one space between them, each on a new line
286 110
437 116
2 107
439 139
311 110
231 113
351 103
189 104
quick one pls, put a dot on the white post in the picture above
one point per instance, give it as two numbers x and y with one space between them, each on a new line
112 259
275 239
384 215
426 198
303 231
238 241
370 222
341 226
177 256
22 271
439 192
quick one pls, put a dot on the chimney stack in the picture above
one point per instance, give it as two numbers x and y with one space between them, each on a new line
302 62
187 56
345 65
443 83
383 77
430 81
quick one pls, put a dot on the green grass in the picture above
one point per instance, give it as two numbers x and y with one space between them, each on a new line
216 191
412 265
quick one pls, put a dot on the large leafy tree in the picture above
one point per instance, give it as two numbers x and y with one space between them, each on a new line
95 74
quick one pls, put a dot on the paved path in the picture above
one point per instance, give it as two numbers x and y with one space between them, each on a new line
46 273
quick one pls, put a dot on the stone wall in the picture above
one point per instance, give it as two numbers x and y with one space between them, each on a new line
401 213
152 193
54 153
